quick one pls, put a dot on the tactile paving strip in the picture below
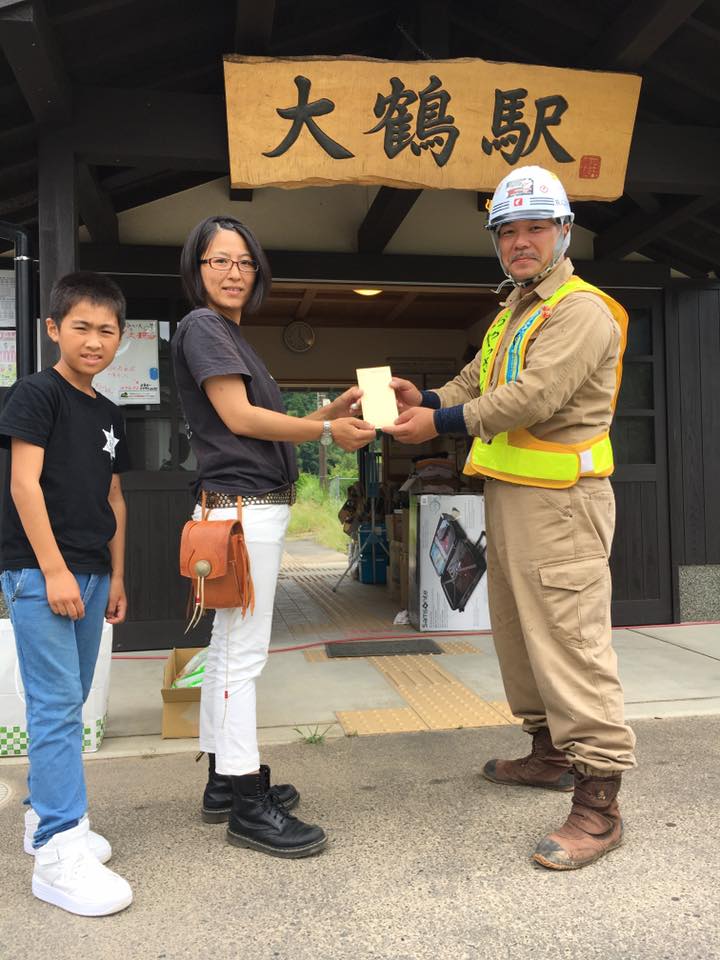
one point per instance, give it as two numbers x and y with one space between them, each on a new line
437 701
503 709
456 646
365 722
438 698
315 654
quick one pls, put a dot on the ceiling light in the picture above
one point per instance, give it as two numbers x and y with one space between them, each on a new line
367 292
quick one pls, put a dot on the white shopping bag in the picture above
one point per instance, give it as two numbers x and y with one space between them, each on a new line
13 728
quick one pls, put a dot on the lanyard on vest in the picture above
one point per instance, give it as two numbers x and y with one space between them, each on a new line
518 456
515 355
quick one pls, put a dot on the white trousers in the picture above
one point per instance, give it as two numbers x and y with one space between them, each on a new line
239 647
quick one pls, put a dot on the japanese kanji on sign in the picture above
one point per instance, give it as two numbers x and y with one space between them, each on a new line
459 124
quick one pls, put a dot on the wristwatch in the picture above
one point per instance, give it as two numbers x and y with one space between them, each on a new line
326 437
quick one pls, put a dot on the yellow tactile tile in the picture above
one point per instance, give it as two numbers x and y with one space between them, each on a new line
387 720
315 654
502 707
409 670
437 697
456 646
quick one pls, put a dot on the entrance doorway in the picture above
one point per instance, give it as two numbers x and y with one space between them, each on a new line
160 495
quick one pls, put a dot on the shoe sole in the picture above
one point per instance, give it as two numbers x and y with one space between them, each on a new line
520 783
292 853
48 893
222 816
548 864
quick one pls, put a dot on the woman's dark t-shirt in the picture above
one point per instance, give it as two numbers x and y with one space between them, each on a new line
84 443
208 345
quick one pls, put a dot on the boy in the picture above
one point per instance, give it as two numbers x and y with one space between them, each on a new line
63 544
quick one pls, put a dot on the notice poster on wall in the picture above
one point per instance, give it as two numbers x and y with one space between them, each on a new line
133 376
8 372
7 298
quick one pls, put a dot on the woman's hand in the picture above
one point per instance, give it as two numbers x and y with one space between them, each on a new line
346 405
406 394
351 433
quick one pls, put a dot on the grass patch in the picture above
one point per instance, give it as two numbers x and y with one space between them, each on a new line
314 516
313 736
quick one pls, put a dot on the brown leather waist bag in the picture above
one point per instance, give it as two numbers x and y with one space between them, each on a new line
213 555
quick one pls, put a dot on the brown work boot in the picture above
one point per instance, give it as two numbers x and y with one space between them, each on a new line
593 828
543 767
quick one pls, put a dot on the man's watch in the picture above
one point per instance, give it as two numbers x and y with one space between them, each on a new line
326 437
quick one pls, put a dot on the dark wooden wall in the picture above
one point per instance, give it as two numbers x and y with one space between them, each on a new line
693 383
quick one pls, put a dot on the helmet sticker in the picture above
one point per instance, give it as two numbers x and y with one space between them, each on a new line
517 187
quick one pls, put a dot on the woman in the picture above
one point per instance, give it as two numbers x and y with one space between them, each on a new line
243 443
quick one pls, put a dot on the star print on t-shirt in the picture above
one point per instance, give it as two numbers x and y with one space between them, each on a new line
111 441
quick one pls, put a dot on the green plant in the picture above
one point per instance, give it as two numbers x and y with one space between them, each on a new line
313 736
315 515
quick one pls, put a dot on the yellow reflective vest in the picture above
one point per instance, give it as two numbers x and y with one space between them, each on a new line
517 456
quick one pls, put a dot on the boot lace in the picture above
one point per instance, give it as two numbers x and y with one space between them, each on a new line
276 809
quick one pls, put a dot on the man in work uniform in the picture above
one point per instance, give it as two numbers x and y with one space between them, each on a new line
538 399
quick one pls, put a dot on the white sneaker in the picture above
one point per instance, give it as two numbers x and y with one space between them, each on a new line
98 844
69 876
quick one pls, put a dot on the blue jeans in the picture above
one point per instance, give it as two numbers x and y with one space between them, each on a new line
57 658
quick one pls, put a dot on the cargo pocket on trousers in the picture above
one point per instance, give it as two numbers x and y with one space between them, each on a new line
576 594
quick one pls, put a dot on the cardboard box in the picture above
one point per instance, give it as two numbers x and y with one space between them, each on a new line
14 736
448 572
181 707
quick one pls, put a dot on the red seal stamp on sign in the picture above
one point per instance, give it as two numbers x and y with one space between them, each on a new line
589 167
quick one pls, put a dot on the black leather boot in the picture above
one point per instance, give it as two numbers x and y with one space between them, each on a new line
258 821
217 798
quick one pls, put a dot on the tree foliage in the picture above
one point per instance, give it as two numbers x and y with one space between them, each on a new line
298 403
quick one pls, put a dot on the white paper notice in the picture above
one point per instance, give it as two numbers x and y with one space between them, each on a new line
133 376
379 406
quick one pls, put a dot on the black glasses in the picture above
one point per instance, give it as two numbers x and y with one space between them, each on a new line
246 265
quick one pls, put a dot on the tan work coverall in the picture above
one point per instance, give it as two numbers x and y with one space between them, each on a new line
548 574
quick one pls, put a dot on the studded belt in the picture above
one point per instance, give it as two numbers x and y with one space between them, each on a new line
286 496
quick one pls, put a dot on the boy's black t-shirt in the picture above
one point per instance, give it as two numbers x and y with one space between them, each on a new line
84 442
208 345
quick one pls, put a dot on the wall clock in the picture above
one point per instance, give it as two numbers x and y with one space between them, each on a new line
298 336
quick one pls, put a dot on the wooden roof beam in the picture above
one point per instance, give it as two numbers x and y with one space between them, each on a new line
95 206
253 26
306 302
642 28
635 232
387 212
27 39
400 307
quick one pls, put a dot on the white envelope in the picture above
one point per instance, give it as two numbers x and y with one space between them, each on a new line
379 405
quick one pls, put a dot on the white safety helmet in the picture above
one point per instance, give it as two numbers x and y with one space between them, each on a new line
530 193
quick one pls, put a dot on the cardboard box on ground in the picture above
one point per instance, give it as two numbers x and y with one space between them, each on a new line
447 567
13 727
181 706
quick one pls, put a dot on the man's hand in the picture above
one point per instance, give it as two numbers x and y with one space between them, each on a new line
415 425
351 433
117 601
63 593
346 405
406 394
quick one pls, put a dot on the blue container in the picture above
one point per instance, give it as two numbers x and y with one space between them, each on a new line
373 558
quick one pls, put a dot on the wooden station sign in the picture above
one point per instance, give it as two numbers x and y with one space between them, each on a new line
449 124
